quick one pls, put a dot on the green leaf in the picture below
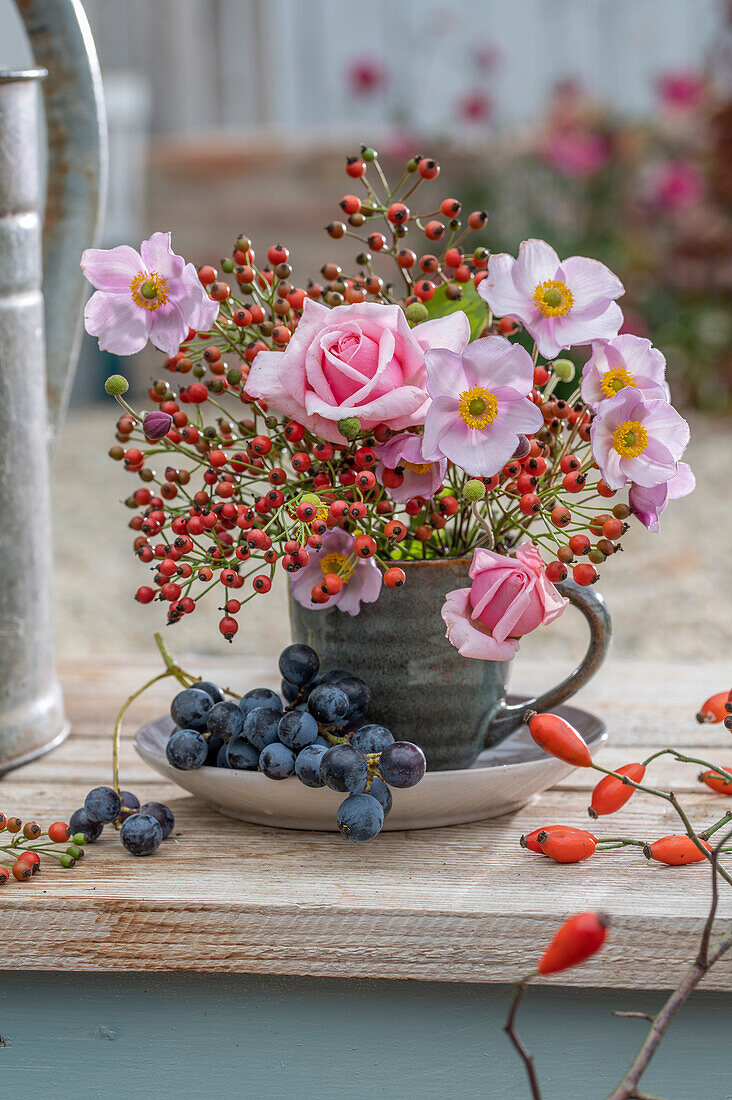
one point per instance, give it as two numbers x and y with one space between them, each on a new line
471 304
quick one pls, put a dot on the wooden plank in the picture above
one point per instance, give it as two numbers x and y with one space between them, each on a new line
464 904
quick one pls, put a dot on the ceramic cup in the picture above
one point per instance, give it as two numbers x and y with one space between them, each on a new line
422 689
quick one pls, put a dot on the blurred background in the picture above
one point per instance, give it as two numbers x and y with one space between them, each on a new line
604 128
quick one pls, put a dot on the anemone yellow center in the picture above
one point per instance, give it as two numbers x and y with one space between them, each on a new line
477 407
553 298
149 290
336 562
615 380
630 439
416 467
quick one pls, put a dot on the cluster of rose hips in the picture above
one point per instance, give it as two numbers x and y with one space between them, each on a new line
231 491
567 844
30 842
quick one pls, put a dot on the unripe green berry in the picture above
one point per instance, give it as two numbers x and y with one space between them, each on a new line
474 489
349 427
75 851
367 153
227 265
233 377
67 860
116 385
564 369
79 838
311 498
416 313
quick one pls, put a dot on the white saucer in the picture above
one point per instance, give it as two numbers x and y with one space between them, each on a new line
501 780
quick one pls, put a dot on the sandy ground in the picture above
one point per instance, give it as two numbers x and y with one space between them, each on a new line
670 595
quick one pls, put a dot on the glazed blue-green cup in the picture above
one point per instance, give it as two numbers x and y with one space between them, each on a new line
422 689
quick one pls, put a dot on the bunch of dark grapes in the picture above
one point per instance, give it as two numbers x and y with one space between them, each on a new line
142 829
320 734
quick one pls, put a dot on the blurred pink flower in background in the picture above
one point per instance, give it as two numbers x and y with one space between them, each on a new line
488 56
366 75
677 186
475 106
576 152
681 90
509 597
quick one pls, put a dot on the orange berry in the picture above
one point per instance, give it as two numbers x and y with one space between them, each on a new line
716 782
675 851
556 736
611 793
714 709
577 939
529 841
22 870
395 577
567 845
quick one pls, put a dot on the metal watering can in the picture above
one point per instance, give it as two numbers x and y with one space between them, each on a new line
40 332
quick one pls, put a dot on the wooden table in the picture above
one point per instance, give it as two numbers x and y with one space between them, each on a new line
241 933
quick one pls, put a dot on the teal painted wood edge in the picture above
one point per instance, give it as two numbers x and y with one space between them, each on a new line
228 1036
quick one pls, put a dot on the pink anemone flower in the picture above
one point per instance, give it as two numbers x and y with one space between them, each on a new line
625 361
559 302
639 440
147 295
421 478
361 576
479 405
509 597
649 504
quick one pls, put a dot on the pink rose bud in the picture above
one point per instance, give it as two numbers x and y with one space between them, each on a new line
156 424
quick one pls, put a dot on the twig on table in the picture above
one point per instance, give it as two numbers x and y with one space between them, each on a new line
636 1016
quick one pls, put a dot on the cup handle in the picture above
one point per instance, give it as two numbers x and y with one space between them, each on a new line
592 606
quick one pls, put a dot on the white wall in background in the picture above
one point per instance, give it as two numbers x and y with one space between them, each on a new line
279 64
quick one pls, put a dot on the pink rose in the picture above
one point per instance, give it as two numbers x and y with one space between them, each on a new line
509 597
359 360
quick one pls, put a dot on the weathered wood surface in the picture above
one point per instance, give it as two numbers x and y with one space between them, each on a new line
458 904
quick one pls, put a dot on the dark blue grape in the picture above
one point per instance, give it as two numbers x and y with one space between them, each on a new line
343 768
372 738
80 822
162 814
328 705
382 794
260 697
299 664
242 755
307 765
357 690
103 804
186 749
212 690
402 764
221 757
276 761
130 803
214 744
260 726
360 817
297 729
320 740
190 708
141 834
291 692
225 720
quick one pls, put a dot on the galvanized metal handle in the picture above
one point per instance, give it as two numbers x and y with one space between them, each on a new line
592 606
77 171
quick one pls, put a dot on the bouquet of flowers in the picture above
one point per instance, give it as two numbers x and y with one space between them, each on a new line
339 429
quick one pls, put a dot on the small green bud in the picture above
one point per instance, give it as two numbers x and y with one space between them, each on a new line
243 243
79 838
349 427
75 851
67 860
416 313
233 377
311 498
412 164
474 489
564 369
116 385
227 265
367 153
